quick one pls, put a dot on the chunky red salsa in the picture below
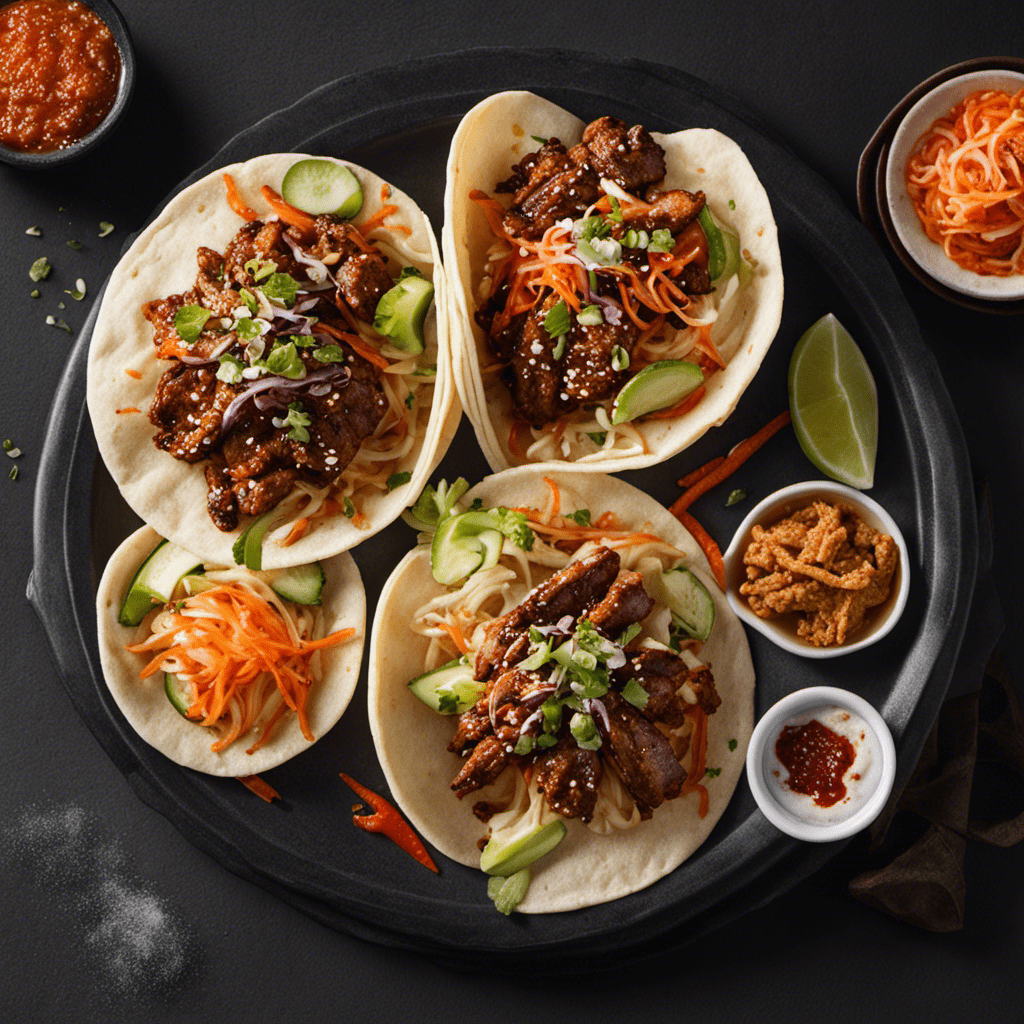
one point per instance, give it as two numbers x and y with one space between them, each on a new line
59 72
817 759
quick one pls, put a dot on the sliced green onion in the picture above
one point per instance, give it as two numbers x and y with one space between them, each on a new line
735 496
557 321
34 232
635 694
397 479
40 269
590 316
105 228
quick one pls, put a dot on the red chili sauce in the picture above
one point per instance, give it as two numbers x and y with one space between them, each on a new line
817 759
59 71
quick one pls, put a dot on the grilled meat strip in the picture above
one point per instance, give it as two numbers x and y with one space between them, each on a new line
568 777
641 756
578 586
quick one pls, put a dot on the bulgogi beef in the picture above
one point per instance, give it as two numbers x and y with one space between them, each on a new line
592 590
323 399
551 375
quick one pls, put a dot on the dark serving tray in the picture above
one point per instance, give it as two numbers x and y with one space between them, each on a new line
398 121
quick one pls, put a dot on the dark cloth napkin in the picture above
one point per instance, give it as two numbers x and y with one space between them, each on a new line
975 749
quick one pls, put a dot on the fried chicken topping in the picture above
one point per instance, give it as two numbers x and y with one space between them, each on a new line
825 563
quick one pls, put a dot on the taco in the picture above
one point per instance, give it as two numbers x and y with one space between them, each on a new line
302 377
613 290
588 654
224 670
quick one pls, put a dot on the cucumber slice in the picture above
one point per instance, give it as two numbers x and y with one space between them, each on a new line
402 310
513 857
658 386
322 186
196 584
248 549
717 255
692 606
450 689
301 584
179 693
155 581
463 544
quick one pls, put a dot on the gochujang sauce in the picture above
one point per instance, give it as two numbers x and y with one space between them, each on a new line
817 758
59 72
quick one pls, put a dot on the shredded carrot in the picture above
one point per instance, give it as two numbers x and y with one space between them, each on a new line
691 401
236 202
966 182
457 636
556 498
262 789
230 640
297 532
357 345
377 221
127 409
390 823
134 374
358 520
385 192
514 439
707 346
288 213
701 472
698 759
706 543
730 464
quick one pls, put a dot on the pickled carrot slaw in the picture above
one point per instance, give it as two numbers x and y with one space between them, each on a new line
244 654
966 181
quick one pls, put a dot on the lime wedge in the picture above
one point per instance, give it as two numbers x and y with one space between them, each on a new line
834 403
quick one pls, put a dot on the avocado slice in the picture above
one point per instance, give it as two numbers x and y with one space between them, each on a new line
402 310
658 386
513 857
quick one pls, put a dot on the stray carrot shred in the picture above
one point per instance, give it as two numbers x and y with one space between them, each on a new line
707 544
729 464
288 213
236 202
698 761
262 789
457 636
388 821
356 344
134 374
698 474
127 409
514 439
377 220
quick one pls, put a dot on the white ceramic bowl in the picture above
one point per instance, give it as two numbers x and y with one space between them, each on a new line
768 788
928 255
773 508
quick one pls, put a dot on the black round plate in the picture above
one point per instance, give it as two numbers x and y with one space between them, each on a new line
398 121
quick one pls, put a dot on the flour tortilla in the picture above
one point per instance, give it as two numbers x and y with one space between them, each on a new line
144 702
492 137
412 740
169 494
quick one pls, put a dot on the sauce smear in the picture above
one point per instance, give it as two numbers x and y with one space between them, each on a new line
817 758
59 71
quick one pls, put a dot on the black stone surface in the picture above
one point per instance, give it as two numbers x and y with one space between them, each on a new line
819 83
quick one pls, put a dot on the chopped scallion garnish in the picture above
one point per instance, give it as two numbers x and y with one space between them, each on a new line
397 479
34 231
79 293
73 243
735 496
105 228
732 743
54 321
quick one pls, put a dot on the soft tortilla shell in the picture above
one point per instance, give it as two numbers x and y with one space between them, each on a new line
149 712
170 494
492 137
412 740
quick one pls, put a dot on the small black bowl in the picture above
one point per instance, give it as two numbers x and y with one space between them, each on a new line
111 16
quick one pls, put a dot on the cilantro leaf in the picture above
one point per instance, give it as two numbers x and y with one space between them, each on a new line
513 525
634 692
397 479
732 744
616 212
297 420
661 241
284 360
330 354
557 321
189 322
581 517
281 289
712 773
247 328
598 437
